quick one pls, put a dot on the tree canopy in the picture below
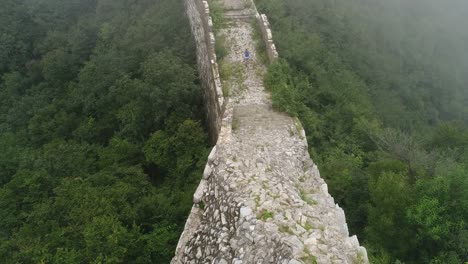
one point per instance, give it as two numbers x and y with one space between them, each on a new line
380 87
101 130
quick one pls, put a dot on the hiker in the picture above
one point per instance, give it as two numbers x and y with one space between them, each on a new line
246 55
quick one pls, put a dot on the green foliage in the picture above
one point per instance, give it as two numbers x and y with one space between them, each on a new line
265 215
178 152
380 91
217 13
100 130
220 47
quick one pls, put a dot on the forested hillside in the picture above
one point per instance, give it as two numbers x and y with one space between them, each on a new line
381 88
101 132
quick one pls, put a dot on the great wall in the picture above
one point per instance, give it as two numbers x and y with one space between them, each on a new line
261 198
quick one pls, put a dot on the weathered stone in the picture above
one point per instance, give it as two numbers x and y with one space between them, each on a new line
207 172
263 196
199 253
312 241
223 220
245 211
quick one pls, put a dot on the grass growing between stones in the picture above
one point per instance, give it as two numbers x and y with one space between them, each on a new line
248 4
285 229
257 201
265 183
360 259
226 89
232 73
299 128
304 197
260 72
308 226
309 259
291 132
217 14
201 205
265 215
220 47
235 123
219 22
275 196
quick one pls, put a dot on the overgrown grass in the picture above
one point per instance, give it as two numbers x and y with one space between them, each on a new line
309 259
219 22
231 71
285 229
231 74
308 226
305 198
248 4
226 89
265 215
257 201
235 123
220 47
217 14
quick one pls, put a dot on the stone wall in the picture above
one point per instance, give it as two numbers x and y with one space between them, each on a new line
271 51
202 30
261 198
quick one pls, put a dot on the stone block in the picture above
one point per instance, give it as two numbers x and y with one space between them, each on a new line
324 188
207 172
245 212
206 7
198 195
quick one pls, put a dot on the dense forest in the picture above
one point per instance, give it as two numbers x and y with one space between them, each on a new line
102 138
381 88
101 130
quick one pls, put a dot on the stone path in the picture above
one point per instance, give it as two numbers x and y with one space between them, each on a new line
263 198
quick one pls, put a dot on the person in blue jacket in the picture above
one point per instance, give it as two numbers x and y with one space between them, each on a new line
246 55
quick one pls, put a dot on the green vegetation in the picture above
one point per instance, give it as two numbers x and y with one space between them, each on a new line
217 14
220 47
260 46
285 229
232 71
308 226
100 130
304 197
233 76
309 259
235 123
380 88
265 214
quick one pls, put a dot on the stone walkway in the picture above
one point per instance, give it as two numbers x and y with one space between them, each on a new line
263 198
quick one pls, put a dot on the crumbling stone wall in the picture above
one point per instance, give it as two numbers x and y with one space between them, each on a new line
202 30
261 198
267 36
